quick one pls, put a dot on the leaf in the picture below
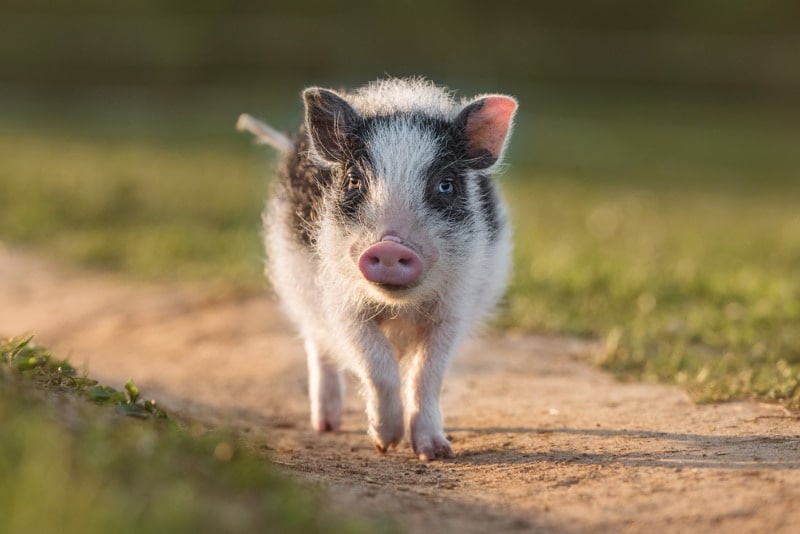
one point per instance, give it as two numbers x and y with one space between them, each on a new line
26 363
83 382
133 391
153 408
22 343
133 410
101 393
63 368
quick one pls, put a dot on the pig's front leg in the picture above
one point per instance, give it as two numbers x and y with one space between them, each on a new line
372 359
422 387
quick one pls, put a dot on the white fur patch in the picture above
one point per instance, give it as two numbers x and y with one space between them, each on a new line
401 153
401 95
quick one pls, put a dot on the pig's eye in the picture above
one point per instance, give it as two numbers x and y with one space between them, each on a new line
446 187
354 179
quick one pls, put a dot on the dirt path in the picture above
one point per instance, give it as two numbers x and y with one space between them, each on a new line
544 442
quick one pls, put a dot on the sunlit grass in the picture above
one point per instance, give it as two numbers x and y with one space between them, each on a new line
700 289
148 210
666 228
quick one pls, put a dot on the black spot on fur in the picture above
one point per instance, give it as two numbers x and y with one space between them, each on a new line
451 164
302 185
351 198
489 200
453 207
330 121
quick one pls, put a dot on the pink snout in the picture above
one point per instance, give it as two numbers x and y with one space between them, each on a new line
390 263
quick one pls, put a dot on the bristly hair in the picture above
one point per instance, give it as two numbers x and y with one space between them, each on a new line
405 95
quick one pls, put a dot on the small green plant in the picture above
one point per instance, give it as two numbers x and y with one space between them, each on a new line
37 364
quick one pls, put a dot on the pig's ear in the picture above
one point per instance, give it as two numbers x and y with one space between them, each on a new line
486 125
330 121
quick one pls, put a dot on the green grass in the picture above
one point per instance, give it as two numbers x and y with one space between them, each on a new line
70 464
47 373
148 210
666 226
701 289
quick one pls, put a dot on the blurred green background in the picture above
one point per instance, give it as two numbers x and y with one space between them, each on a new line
653 174
513 43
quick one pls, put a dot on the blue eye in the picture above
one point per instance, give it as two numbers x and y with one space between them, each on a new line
446 187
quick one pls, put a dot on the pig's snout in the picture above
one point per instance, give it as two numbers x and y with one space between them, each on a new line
390 263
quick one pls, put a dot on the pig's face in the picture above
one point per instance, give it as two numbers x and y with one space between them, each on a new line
409 202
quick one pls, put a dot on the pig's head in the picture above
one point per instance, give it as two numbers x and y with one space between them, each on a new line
409 205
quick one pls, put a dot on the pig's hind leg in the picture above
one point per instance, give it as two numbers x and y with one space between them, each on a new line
325 390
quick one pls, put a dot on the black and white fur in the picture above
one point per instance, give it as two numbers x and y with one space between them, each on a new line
396 165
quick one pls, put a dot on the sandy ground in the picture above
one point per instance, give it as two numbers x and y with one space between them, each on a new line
545 443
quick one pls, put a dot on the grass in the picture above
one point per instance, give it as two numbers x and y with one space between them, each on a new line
47 373
664 225
150 211
699 289
69 463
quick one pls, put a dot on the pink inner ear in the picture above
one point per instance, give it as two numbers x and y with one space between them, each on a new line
487 127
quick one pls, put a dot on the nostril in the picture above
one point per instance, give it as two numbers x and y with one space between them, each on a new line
390 263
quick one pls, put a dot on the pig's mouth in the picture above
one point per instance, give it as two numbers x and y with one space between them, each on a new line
395 288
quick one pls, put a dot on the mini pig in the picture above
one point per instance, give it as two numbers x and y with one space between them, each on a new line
387 241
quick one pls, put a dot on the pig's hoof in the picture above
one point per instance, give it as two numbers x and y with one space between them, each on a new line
383 449
327 420
384 437
434 447
325 425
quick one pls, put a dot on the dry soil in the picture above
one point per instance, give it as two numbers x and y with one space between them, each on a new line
545 442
